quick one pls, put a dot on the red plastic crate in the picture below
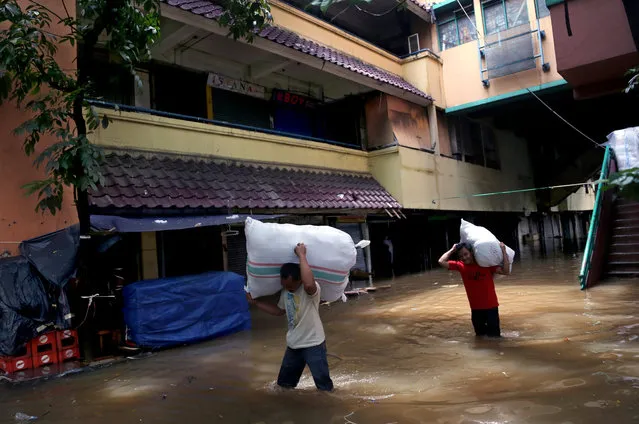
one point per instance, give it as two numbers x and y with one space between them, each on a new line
12 364
68 353
46 355
66 339
44 350
44 340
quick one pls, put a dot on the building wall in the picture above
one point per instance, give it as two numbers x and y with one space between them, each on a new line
579 201
18 218
422 180
462 82
588 56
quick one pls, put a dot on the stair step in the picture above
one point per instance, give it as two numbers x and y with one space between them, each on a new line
629 214
625 238
624 248
625 221
625 266
623 273
624 257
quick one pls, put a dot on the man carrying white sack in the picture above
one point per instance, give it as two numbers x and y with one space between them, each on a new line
305 340
479 285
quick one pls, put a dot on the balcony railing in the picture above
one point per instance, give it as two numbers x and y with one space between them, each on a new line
136 109
510 51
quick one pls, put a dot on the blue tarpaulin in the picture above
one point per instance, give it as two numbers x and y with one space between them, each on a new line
121 224
172 311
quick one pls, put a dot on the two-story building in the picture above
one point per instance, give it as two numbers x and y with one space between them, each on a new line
386 119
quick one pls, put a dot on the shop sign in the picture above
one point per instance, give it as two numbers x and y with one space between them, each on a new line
235 85
292 99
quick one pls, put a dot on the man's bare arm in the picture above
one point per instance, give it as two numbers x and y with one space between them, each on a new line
308 281
267 307
505 269
443 261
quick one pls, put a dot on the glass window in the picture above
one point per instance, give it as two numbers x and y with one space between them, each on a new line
517 12
456 28
503 14
467 30
542 9
448 36
494 17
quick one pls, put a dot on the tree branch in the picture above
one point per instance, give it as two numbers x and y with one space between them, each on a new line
73 28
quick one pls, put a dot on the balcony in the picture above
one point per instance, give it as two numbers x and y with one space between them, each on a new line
511 51
141 129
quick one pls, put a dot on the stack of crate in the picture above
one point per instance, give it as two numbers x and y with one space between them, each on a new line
44 351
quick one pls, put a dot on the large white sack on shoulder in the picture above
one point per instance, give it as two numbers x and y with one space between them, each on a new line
485 245
330 252
625 144
471 234
488 253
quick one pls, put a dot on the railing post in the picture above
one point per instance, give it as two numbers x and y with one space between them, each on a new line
594 221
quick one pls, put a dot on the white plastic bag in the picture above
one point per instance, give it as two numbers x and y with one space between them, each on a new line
625 144
330 252
485 245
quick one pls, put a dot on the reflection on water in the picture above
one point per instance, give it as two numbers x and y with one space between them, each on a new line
403 355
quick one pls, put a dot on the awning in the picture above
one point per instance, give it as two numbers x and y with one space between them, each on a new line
120 224
165 184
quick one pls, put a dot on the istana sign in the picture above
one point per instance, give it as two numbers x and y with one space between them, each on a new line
235 85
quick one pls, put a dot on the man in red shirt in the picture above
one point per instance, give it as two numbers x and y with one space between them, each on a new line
479 285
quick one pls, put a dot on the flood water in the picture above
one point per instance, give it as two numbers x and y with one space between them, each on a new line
402 355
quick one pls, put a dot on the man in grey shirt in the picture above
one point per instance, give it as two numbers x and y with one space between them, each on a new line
305 339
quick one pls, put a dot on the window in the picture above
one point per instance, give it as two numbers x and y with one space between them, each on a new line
455 28
503 14
473 142
541 8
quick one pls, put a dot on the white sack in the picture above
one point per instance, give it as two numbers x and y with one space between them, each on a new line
485 245
625 144
330 252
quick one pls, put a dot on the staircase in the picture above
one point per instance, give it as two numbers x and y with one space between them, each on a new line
623 256
612 247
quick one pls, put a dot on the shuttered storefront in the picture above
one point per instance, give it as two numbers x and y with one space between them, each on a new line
236 253
240 109
355 231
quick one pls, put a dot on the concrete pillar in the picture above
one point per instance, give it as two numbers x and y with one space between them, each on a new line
434 127
367 252
149 256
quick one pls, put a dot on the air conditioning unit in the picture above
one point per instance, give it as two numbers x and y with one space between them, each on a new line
413 43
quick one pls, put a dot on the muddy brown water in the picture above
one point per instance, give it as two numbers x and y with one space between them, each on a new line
402 355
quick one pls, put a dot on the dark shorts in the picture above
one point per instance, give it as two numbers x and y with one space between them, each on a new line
486 322
296 359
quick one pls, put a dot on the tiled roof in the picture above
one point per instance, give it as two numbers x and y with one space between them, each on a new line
294 41
424 6
162 181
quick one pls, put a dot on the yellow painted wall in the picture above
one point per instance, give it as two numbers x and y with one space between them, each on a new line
417 178
579 201
424 71
384 166
317 30
152 133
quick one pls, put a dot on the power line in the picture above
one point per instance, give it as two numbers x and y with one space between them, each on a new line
523 190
